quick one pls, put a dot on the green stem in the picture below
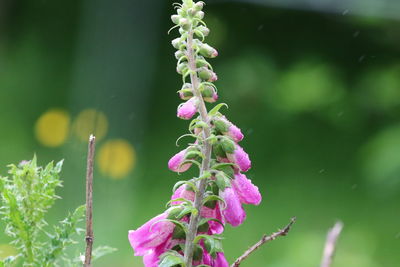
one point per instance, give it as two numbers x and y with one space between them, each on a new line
206 149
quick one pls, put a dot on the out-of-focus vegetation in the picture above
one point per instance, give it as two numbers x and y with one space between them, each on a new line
317 94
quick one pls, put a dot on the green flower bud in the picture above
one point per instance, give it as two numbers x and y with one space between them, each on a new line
185 24
176 43
199 15
204 30
221 126
179 54
181 68
207 75
208 51
175 19
228 145
218 151
199 6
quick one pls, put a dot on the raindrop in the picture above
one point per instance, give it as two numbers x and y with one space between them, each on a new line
360 59
356 34
345 12
259 28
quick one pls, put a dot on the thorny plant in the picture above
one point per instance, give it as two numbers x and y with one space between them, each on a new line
189 232
26 196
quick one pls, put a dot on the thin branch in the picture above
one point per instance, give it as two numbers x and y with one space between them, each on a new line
330 244
264 239
89 201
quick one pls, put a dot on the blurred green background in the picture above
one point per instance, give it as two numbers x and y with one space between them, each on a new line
314 85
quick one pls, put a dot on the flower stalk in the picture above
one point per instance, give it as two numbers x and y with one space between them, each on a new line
189 232
201 185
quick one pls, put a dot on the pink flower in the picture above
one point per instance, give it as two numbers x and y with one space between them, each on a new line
219 261
234 213
240 158
187 110
235 133
152 234
247 192
175 163
214 227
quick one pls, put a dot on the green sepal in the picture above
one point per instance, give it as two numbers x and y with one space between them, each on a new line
178 233
228 145
221 126
191 185
213 198
218 151
227 168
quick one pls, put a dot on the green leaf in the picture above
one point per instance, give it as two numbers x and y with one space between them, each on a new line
214 111
171 259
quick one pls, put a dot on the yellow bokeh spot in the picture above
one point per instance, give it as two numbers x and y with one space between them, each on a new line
7 250
52 127
116 158
90 121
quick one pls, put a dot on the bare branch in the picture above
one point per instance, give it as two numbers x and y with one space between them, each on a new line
264 240
89 201
330 244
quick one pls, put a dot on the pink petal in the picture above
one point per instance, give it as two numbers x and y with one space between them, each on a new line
235 133
187 110
234 213
247 192
177 160
145 239
240 158
220 260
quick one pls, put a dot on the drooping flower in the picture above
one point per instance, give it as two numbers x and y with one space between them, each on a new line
175 163
151 235
240 158
247 192
233 213
187 110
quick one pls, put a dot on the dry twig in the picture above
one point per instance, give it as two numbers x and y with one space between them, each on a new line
89 201
330 244
264 240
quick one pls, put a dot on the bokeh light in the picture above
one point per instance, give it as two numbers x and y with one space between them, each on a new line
379 89
90 121
380 158
52 127
116 158
306 86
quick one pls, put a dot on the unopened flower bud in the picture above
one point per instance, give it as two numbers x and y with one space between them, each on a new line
209 94
207 75
179 54
176 43
176 162
200 15
175 19
224 126
186 91
240 158
208 51
228 145
204 30
187 110
199 6
184 23
181 68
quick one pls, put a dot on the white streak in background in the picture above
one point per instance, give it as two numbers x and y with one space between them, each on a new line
389 9
115 61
